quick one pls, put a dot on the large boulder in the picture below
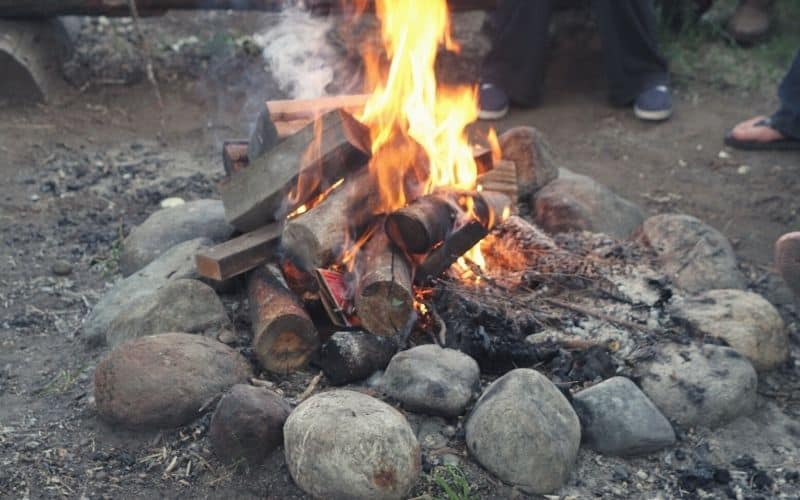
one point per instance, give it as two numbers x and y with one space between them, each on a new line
347 445
167 227
706 385
248 424
162 381
744 320
577 203
693 254
177 263
533 157
618 419
183 305
525 432
432 380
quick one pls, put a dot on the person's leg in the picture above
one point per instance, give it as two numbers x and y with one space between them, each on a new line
633 60
787 119
516 60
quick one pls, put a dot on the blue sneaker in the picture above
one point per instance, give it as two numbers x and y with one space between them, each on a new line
654 104
493 102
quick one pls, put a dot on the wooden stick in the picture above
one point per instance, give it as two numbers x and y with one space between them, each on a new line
240 254
308 162
384 295
444 256
284 337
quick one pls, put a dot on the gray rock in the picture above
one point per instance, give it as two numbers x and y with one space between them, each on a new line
176 263
705 385
183 305
744 320
618 419
578 203
347 445
525 432
429 379
248 424
167 227
533 157
163 381
694 255
429 430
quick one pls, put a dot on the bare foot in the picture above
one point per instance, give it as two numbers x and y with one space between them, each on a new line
787 260
748 131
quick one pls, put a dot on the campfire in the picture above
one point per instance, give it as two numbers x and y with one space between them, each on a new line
366 200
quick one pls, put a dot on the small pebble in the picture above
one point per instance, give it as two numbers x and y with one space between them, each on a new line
172 202
450 459
61 268
743 170
641 475
34 197
723 155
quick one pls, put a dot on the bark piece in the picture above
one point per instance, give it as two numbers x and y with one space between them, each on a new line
284 337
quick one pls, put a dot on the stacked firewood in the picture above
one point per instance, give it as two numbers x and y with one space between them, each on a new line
307 207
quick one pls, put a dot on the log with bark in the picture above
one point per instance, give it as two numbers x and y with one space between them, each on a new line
319 237
284 337
351 356
295 170
53 8
384 296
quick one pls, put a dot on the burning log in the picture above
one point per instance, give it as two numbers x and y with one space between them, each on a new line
309 109
384 296
264 137
304 161
284 337
423 224
426 222
239 255
318 237
53 8
234 156
350 356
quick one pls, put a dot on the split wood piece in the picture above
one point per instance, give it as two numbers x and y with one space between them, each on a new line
445 255
502 179
335 293
483 159
240 254
318 237
234 156
260 193
308 109
284 337
384 296
286 129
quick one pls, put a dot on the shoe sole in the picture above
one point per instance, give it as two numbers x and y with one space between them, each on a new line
787 260
492 115
652 116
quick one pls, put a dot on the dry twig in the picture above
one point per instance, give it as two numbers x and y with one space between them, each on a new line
311 387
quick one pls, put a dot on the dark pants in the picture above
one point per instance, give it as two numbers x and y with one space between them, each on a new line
787 119
628 27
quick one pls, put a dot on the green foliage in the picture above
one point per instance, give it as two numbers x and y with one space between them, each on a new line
453 483
702 50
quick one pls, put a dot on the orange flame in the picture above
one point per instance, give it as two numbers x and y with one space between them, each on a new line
409 113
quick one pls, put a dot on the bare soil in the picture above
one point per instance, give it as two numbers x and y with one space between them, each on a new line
79 172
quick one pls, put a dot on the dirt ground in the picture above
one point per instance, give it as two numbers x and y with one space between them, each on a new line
81 170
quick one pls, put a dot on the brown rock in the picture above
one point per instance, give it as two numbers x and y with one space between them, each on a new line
163 381
530 152
248 424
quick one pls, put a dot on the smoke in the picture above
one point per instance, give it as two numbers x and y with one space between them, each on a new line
298 53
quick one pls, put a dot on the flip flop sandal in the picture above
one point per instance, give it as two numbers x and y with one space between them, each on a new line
787 144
